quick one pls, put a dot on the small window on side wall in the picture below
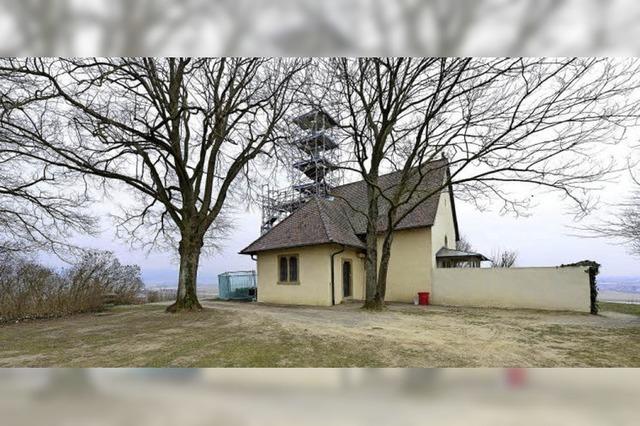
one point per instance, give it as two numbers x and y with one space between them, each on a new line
288 269
446 241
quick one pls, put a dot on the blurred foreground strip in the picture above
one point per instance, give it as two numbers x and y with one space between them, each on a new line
311 27
318 397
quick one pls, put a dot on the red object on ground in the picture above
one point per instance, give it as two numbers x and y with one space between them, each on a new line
423 298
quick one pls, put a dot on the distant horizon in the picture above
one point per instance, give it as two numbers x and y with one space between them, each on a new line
156 284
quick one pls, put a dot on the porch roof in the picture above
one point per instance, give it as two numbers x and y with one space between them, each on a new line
447 253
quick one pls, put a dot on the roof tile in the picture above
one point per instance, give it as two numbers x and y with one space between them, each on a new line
341 219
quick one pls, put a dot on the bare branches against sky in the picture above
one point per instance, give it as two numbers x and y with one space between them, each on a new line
310 27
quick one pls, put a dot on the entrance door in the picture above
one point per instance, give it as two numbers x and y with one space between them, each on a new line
346 278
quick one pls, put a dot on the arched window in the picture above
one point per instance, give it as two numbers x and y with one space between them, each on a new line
446 241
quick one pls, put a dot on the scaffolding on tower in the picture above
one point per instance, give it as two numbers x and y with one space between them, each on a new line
314 162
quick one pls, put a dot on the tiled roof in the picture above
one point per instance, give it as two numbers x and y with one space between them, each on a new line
319 221
341 218
355 196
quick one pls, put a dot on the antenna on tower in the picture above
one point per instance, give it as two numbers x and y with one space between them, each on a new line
317 158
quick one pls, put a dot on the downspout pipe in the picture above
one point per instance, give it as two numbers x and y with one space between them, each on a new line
333 285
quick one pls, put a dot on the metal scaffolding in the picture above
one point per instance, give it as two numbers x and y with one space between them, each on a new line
315 158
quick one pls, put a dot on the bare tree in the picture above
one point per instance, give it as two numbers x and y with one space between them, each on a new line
627 226
181 133
463 244
497 123
624 226
37 213
504 258
39 208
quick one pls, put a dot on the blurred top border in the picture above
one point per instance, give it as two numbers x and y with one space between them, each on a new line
319 28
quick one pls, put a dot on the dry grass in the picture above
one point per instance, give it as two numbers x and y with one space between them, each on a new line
624 308
230 334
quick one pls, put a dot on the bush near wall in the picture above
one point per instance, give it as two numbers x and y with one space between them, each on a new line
29 290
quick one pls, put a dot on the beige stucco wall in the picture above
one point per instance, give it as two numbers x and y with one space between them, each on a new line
314 277
409 266
550 288
409 272
413 253
357 271
443 225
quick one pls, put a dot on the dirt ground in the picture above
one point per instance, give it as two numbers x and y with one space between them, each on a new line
228 334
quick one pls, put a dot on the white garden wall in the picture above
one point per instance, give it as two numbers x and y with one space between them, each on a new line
552 288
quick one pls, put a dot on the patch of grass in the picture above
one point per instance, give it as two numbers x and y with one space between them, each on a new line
623 308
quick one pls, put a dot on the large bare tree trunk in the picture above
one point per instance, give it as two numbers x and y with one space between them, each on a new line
383 270
371 272
187 298
372 300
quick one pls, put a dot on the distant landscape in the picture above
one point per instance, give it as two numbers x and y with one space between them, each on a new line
623 284
624 288
204 290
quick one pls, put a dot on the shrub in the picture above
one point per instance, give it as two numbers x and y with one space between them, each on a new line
161 295
29 290
104 271
153 296
504 259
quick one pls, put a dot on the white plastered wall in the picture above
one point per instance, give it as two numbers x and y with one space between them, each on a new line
552 288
